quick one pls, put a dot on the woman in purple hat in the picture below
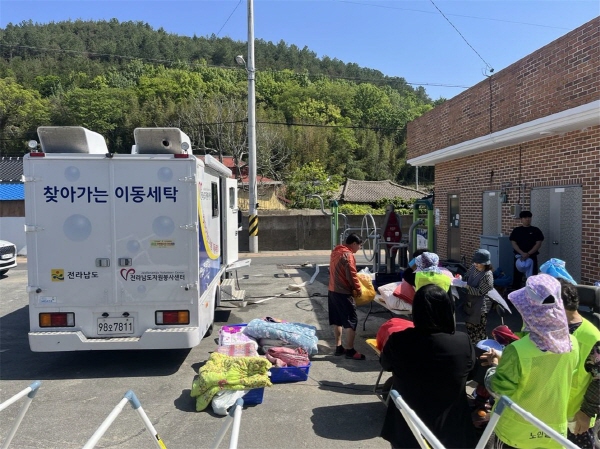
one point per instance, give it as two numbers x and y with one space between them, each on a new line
536 372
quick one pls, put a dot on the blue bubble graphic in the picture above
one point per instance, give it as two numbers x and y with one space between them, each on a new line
133 246
163 226
77 228
165 174
72 173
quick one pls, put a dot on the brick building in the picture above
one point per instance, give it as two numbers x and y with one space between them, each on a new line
526 138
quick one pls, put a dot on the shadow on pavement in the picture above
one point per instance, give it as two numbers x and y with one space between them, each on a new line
20 363
353 389
351 422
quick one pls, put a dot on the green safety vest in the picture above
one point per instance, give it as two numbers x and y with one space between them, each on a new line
429 277
543 384
587 335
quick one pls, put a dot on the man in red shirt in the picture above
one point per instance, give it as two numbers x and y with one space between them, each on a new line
343 287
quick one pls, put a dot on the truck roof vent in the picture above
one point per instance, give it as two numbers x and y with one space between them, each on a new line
161 141
71 139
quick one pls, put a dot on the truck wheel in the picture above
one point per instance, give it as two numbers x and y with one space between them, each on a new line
216 304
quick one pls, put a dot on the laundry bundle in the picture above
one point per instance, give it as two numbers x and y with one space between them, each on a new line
295 334
222 372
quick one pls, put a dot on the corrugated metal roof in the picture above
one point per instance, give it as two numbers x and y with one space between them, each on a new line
371 191
11 169
11 192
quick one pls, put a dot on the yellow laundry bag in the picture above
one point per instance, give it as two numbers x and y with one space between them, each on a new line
367 290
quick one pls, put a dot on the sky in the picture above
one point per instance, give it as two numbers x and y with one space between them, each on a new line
443 45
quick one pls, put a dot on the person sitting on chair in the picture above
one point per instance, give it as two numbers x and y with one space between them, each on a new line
430 364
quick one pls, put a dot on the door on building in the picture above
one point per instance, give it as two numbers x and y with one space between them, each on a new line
557 212
492 213
453 226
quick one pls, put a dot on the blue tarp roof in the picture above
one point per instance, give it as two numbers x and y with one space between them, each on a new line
10 192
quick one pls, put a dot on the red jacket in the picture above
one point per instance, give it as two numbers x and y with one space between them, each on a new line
342 271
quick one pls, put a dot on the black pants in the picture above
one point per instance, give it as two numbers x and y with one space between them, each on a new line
518 276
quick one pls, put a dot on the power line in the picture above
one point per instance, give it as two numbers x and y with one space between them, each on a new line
463 38
387 79
455 15
234 9
306 125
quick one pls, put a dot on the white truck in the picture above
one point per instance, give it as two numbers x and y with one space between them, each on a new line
125 251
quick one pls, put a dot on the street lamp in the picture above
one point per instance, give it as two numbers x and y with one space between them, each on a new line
252 197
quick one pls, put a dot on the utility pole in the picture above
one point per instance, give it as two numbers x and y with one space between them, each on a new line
252 196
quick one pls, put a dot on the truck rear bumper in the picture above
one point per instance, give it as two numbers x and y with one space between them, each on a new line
170 338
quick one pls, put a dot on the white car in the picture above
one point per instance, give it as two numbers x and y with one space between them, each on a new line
8 256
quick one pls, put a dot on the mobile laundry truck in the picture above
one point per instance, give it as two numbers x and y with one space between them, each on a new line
126 251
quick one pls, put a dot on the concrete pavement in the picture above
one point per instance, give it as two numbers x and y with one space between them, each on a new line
335 407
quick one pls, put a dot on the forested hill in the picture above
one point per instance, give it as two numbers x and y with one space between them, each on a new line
112 77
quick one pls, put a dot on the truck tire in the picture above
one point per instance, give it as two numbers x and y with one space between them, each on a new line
217 303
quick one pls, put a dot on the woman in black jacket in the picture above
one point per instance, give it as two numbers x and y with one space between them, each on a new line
430 364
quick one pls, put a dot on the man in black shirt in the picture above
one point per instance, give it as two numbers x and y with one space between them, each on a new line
526 241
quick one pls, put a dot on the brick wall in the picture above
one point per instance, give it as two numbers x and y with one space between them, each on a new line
562 75
570 159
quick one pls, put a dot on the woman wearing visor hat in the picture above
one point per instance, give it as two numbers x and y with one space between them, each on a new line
536 372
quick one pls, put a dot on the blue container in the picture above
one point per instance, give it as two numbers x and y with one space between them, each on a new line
254 396
289 374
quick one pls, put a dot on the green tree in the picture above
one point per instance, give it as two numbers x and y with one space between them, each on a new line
21 112
310 179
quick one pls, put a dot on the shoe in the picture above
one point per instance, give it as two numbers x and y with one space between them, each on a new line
354 355
339 350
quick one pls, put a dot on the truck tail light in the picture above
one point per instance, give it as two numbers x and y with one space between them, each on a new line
181 155
173 317
37 154
57 319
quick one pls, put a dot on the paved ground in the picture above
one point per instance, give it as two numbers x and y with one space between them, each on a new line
335 407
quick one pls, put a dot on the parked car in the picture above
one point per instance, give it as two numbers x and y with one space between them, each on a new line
8 256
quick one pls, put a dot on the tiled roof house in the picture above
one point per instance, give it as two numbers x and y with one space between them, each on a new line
354 191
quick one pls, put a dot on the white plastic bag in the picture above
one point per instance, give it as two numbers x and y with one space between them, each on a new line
366 270
224 399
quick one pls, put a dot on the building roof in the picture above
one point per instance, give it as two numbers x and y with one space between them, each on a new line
11 169
12 192
579 117
241 173
371 191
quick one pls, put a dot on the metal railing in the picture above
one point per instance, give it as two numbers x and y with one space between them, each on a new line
424 436
505 403
135 404
234 416
30 392
427 440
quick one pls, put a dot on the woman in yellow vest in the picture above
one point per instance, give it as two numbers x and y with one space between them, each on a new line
536 372
584 400
428 272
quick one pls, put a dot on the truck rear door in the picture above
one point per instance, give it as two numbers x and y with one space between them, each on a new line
69 230
155 227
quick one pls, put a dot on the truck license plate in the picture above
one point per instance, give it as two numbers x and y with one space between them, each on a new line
113 326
